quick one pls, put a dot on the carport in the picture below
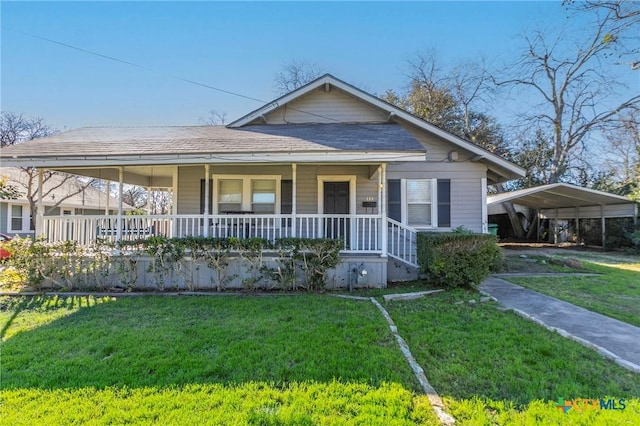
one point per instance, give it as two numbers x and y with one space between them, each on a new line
564 201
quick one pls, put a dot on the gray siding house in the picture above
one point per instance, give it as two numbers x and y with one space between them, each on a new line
64 196
326 160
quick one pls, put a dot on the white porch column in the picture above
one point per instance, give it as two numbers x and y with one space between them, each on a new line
174 202
577 225
294 196
483 207
39 231
107 207
149 200
206 212
555 228
120 191
382 208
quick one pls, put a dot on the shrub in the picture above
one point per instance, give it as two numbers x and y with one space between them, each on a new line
458 260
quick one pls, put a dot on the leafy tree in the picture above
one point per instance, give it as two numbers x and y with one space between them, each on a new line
8 191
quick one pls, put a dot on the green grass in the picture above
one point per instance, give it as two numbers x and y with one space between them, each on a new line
304 359
493 367
616 293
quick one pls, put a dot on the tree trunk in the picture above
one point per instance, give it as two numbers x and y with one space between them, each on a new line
515 220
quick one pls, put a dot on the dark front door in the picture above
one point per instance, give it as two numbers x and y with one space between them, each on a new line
336 201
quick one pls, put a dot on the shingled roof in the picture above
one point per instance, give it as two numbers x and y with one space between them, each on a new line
112 141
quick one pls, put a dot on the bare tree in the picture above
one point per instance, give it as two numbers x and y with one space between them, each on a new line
135 196
623 159
294 75
16 128
573 91
214 118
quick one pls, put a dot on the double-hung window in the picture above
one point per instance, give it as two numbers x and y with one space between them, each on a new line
247 194
18 217
420 203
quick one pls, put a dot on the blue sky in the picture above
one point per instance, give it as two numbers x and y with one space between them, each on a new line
238 46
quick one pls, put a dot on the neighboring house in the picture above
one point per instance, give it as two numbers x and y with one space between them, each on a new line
15 214
326 160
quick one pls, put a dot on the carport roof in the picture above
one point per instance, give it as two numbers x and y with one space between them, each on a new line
558 195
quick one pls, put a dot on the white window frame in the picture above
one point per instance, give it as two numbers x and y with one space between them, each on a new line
26 225
67 212
245 204
404 202
337 178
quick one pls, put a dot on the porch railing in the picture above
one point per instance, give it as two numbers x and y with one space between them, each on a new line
359 233
402 243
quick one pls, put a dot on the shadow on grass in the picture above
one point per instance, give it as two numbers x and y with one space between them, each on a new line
160 341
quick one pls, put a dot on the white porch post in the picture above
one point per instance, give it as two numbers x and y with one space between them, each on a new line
120 191
39 231
149 201
107 207
174 202
577 225
207 168
382 208
294 196
555 228
483 207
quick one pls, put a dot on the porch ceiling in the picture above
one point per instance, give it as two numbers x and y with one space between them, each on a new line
146 176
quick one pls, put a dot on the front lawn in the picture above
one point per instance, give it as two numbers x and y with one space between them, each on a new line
304 359
494 367
616 293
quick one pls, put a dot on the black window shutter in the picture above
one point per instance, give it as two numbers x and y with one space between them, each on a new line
202 196
394 202
444 203
286 196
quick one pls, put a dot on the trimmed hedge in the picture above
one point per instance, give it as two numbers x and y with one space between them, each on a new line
458 260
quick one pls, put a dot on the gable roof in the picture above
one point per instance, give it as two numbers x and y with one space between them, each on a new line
494 162
59 186
195 144
396 139
558 195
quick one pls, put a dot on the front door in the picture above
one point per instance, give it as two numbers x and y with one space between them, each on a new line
336 202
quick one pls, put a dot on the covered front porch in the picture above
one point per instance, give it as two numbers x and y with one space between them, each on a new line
311 200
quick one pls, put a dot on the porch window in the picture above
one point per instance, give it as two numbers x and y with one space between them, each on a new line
15 217
263 196
258 194
230 195
419 202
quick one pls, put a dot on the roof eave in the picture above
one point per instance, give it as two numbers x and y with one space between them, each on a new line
200 158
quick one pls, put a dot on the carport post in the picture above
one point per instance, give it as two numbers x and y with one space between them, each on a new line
555 228
602 222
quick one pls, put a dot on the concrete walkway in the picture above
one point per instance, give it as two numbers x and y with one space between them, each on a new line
613 339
